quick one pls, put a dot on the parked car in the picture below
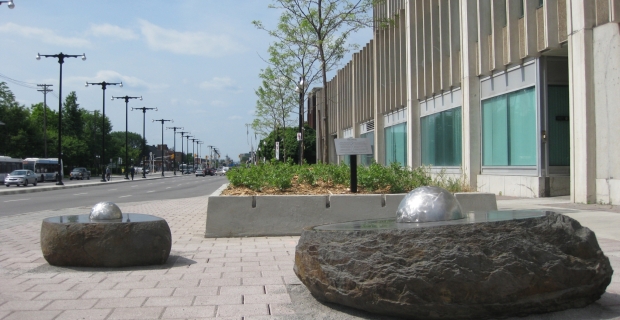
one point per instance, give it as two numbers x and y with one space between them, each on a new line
201 172
23 177
79 173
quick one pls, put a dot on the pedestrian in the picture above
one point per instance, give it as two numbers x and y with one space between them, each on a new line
133 171
107 173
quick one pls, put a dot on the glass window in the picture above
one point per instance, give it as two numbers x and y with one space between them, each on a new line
509 129
367 159
441 138
559 127
396 144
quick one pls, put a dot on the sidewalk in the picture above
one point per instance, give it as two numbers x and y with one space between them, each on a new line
94 181
225 278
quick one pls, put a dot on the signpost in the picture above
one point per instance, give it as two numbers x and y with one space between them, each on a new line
352 147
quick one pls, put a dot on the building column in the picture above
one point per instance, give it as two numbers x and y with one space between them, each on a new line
581 20
470 86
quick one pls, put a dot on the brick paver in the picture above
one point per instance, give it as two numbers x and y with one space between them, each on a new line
224 278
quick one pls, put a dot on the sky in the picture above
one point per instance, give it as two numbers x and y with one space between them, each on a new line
196 61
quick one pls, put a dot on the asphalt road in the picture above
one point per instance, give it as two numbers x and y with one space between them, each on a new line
178 187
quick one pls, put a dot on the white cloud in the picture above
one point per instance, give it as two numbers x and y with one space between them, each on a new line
113 76
108 30
194 43
220 84
218 103
43 35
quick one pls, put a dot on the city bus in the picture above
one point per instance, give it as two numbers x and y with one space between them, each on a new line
45 169
7 165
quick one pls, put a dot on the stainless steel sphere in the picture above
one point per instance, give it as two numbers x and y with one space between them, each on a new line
105 211
426 204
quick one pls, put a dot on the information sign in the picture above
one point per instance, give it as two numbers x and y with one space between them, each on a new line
352 146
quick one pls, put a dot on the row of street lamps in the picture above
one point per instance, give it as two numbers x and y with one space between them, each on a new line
61 59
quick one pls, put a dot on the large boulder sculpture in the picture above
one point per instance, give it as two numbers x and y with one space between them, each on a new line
456 271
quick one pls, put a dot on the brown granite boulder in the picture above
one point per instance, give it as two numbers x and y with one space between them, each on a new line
463 271
143 240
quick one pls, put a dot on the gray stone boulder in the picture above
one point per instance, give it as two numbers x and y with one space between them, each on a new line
463 271
146 240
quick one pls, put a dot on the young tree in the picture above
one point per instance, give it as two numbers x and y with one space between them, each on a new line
330 22
276 101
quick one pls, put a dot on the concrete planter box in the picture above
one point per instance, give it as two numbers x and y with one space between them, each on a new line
248 216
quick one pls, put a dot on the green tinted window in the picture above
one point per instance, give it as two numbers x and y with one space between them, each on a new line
441 138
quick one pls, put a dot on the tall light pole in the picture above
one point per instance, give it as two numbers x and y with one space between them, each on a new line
174 166
143 136
45 90
300 89
187 145
199 143
194 153
182 152
61 59
9 3
126 98
103 85
162 142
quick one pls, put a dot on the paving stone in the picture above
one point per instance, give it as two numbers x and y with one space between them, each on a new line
242 310
24 305
33 315
262 281
127 302
227 290
266 298
136 285
168 301
191 292
154 292
65 295
71 304
92 314
192 312
218 300
136 313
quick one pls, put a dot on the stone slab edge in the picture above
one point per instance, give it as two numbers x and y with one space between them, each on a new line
250 216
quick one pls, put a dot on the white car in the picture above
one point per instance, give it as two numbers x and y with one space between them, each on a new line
22 176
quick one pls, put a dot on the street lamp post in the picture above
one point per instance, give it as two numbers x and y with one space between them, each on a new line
143 135
9 3
162 142
199 143
126 98
61 59
174 166
187 145
300 89
193 153
103 85
182 151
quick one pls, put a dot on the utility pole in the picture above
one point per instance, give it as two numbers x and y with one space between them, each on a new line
45 90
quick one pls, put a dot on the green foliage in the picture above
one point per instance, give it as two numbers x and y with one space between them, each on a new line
375 178
23 133
289 146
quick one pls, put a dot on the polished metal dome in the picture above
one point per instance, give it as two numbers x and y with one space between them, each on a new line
426 204
105 211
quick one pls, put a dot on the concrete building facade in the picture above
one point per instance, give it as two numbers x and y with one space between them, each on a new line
518 97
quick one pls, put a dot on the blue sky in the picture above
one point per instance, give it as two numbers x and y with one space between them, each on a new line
197 61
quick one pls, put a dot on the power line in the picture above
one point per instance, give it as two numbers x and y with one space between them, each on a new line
19 82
